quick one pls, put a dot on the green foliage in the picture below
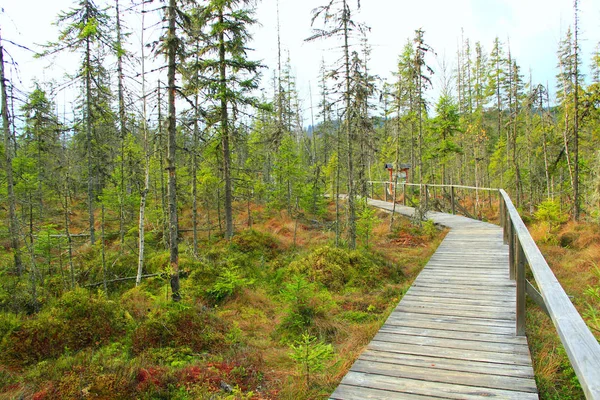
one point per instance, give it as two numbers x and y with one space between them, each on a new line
9 322
305 303
227 284
337 268
329 266
592 312
78 320
253 241
429 229
366 222
177 325
310 355
549 211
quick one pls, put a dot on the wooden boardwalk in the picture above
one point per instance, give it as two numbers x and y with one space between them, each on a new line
453 334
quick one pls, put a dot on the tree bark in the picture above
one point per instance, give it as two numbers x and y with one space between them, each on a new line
88 129
144 194
122 124
171 154
351 189
225 135
13 225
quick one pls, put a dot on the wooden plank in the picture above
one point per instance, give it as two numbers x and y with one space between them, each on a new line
433 297
347 392
451 343
396 320
460 335
401 315
441 305
432 389
445 376
498 316
435 363
457 354
448 293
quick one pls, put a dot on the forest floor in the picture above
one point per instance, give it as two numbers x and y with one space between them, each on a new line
279 312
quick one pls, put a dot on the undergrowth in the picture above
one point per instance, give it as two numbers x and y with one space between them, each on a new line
278 312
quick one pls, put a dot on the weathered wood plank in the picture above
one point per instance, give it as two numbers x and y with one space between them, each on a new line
457 354
497 316
451 343
446 376
398 320
440 333
400 316
432 389
435 363
347 392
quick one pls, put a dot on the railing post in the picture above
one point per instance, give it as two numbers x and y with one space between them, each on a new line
385 192
452 200
511 250
404 193
520 276
426 197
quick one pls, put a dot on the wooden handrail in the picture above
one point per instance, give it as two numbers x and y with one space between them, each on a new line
580 344
434 185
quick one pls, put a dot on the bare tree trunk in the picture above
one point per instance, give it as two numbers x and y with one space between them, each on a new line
545 146
576 194
144 194
103 238
122 124
163 195
225 135
349 135
88 138
171 155
195 166
13 225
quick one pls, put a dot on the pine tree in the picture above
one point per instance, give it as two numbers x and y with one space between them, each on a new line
337 19
229 75
85 28
13 223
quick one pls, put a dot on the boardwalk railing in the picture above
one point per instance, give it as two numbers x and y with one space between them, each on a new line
450 198
580 344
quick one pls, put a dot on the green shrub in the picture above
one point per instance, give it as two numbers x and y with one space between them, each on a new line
227 284
251 240
549 211
181 326
78 320
329 266
304 304
310 355
8 323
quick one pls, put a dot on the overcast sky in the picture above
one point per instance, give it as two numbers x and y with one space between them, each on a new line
533 27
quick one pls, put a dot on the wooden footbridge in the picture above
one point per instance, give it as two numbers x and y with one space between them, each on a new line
459 331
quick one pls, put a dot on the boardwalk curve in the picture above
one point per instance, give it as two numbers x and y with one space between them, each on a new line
453 334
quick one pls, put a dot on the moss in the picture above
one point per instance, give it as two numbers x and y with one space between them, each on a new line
251 240
181 326
77 321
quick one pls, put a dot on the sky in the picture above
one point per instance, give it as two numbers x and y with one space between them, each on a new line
532 27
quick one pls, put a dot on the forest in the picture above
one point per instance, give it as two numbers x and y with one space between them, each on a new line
191 237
